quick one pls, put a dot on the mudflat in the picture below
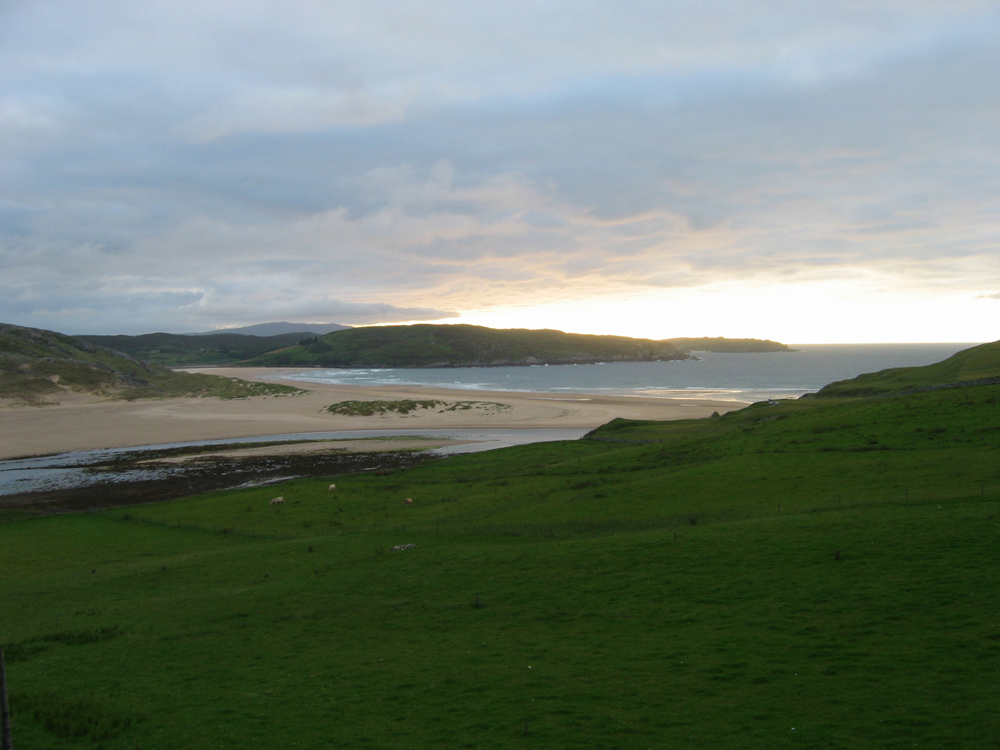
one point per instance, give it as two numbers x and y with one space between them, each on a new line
88 422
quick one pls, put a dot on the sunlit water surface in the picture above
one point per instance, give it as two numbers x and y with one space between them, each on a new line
738 377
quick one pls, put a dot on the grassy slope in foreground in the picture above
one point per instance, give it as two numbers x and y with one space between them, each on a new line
814 574
978 363
36 366
464 345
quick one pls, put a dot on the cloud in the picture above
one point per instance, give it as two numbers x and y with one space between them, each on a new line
235 309
143 311
164 163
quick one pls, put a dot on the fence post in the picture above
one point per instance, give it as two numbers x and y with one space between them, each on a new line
6 709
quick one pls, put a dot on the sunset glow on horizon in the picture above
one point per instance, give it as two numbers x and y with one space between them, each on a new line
767 315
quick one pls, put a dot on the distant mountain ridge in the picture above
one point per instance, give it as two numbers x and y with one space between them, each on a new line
276 329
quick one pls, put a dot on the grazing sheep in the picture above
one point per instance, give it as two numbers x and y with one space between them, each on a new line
277 501
331 488
409 502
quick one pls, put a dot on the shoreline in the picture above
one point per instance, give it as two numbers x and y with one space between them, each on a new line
87 423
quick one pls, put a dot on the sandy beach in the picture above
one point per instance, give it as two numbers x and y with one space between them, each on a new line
82 423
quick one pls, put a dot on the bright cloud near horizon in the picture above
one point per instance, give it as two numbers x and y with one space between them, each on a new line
805 172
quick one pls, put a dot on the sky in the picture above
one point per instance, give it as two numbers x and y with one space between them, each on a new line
821 172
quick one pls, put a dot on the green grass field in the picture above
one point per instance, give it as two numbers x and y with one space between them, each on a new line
820 573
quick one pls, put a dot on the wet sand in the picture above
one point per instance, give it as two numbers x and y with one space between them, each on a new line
83 422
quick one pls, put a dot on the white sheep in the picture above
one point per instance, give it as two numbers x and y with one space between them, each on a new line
331 488
278 501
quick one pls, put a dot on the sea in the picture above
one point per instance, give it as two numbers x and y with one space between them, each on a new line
728 377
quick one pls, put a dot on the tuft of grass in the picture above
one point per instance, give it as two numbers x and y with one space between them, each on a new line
71 718
405 406
370 408
31 647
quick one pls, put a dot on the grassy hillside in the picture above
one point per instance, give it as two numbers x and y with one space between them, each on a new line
463 345
176 350
410 346
818 573
978 363
36 366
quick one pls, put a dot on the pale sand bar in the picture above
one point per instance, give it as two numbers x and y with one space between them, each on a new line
83 423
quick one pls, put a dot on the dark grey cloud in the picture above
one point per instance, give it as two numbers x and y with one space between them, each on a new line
143 311
185 165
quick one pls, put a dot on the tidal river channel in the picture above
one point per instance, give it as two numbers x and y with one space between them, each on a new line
125 476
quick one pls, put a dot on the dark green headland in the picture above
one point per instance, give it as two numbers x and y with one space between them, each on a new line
464 346
412 346
477 346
